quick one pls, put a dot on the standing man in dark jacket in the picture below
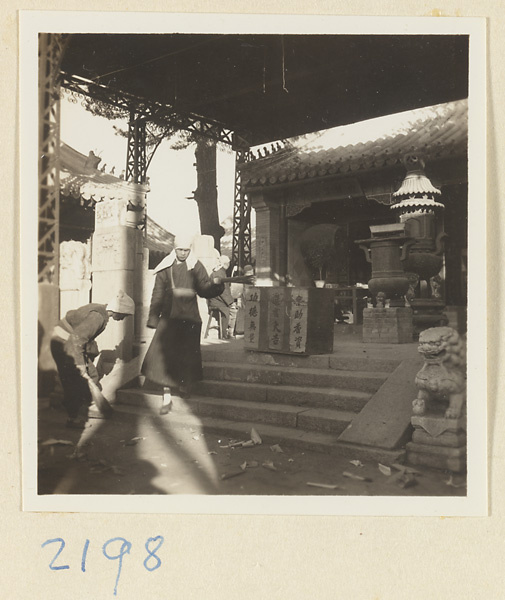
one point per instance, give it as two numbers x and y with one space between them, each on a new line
73 348
225 302
174 357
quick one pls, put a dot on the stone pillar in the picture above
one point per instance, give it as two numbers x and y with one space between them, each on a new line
268 238
117 263
143 288
75 275
48 316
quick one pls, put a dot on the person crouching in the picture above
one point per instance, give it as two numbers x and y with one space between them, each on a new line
73 347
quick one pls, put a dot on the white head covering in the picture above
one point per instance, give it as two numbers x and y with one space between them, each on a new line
122 303
224 261
183 240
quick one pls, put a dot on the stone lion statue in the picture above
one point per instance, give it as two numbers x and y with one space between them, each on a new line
443 376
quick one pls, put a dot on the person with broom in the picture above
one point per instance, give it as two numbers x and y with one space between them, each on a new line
73 347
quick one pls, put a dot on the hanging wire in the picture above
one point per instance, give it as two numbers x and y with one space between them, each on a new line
264 69
283 68
157 58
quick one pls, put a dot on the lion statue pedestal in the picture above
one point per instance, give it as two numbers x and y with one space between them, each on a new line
439 410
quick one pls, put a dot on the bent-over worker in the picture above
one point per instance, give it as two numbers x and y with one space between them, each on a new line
74 348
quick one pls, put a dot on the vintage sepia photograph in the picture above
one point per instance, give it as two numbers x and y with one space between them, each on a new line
257 249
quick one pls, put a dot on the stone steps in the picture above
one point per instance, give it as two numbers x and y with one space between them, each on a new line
358 359
340 399
363 381
303 400
283 415
270 434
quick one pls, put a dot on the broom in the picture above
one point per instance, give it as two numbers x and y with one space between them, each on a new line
99 399
246 279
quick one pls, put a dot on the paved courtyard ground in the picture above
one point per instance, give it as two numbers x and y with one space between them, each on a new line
152 455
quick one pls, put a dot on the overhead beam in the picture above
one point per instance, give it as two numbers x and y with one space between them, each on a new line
154 112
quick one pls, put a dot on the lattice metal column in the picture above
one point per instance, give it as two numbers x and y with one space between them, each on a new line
136 165
241 246
51 48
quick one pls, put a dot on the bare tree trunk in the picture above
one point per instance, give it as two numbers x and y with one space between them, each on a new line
206 191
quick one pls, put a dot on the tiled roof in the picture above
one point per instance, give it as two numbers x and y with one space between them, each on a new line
158 239
434 132
80 179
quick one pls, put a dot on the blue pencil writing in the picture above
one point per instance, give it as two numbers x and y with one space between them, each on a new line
125 549
84 556
152 553
62 545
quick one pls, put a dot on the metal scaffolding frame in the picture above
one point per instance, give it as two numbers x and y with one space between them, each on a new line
152 111
241 245
145 111
136 166
51 48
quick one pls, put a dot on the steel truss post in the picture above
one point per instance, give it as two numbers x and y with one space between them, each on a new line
136 165
241 246
51 47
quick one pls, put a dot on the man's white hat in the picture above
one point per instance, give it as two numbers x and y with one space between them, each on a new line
122 303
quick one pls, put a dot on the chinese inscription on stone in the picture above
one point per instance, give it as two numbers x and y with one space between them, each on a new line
252 318
298 319
276 317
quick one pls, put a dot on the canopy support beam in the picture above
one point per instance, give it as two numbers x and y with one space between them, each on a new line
241 245
51 48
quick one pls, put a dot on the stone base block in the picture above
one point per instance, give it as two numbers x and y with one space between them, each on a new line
448 438
436 425
387 325
438 457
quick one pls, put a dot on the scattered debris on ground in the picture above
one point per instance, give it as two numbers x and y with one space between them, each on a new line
356 477
276 448
385 470
255 437
110 459
326 486
231 474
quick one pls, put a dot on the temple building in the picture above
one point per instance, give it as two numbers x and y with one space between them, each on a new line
347 177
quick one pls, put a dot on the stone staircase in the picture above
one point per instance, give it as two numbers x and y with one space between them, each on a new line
302 401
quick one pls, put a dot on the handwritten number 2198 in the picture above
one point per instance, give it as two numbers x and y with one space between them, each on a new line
112 551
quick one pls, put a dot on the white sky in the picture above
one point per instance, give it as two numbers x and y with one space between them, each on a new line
171 172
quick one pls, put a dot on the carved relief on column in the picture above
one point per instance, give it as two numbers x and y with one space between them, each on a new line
75 274
295 209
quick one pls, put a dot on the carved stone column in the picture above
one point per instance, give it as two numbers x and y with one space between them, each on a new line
269 263
117 263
